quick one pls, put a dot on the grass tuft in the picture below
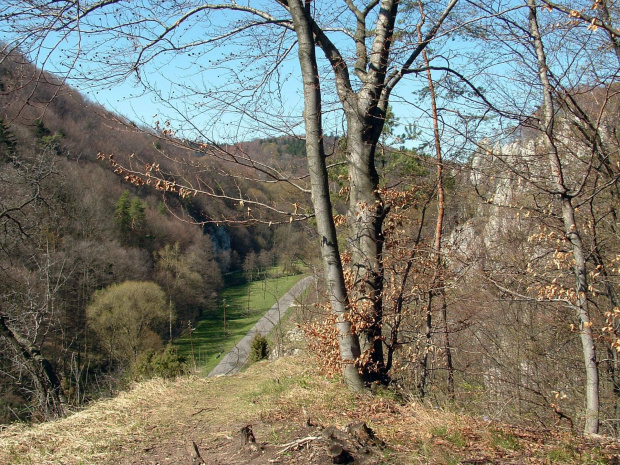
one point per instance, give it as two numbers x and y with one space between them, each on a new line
504 440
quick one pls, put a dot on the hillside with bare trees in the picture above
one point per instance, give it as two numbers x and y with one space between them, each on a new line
73 231
454 164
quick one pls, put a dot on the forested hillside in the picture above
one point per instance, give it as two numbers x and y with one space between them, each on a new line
93 270
79 241
465 213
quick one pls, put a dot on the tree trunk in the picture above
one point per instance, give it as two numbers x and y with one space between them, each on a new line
47 386
583 317
437 287
332 265
571 230
365 240
424 362
365 109
447 348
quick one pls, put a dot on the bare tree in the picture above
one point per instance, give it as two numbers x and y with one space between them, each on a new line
27 305
572 229
558 100
364 71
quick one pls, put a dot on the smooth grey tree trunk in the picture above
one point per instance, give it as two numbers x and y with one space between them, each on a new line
365 109
365 241
332 265
572 232
365 112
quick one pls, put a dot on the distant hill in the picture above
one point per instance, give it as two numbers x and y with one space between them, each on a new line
70 225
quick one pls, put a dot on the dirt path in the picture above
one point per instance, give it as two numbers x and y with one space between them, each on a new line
238 357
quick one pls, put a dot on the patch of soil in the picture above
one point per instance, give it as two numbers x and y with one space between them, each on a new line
254 444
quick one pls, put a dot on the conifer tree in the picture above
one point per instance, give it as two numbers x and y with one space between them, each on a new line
7 141
122 214
136 215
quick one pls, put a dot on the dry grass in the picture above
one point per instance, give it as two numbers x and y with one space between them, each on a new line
92 435
156 420
151 410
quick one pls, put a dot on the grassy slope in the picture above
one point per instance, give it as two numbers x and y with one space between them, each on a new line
165 422
209 339
162 421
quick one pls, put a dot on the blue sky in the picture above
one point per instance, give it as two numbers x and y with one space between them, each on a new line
280 100
205 107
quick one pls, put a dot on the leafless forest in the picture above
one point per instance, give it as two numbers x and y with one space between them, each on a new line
456 164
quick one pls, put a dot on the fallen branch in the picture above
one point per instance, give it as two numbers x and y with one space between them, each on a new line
297 444
196 454
201 410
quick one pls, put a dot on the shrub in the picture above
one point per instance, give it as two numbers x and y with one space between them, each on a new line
167 364
259 350
128 318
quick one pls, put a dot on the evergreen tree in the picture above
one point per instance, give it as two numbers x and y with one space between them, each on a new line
122 214
138 222
7 141
40 131
136 213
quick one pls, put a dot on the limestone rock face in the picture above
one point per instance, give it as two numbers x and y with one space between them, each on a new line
501 175
513 178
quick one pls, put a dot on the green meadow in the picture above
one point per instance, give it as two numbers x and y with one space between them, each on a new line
243 305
